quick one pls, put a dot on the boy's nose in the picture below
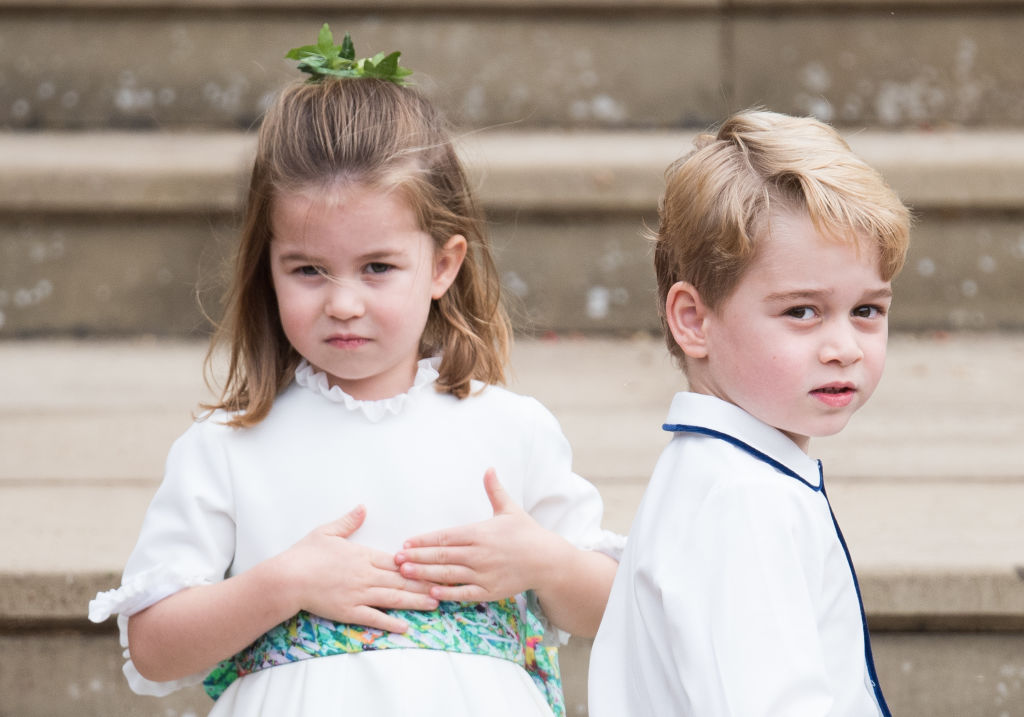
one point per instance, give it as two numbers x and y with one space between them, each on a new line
841 345
344 301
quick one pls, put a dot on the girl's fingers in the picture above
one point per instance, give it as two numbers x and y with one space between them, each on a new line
441 538
347 524
439 574
501 501
373 618
460 593
462 555
384 561
406 583
394 599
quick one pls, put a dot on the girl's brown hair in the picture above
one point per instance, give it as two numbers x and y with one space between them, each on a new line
377 134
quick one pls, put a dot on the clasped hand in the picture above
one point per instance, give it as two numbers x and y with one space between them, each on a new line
488 560
346 582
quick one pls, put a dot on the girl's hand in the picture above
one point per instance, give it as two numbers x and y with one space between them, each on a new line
347 582
490 560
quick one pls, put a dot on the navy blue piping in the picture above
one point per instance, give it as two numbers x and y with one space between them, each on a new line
868 657
782 468
763 457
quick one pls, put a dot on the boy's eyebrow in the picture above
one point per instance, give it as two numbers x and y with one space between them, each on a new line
884 292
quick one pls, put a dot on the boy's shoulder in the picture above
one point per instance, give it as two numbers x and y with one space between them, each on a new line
718 438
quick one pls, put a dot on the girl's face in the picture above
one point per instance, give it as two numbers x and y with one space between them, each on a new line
354 277
800 343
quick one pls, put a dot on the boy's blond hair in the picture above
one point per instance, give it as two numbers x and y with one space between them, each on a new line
719 197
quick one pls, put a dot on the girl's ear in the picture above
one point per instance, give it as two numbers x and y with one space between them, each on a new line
447 262
686 316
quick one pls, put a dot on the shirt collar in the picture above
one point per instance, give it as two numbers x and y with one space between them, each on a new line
708 415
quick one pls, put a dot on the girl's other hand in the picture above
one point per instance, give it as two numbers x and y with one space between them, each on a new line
343 581
489 560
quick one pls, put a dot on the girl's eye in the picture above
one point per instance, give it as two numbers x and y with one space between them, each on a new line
801 312
308 270
868 312
378 267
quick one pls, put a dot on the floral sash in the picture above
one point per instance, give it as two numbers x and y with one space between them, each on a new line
497 629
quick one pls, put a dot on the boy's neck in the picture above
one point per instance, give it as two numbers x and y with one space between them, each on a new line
698 386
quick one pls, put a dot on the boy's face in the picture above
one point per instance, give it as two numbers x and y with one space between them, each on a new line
800 343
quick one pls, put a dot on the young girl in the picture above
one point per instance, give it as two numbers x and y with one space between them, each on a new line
299 554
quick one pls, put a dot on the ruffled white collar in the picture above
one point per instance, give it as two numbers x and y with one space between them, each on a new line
316 381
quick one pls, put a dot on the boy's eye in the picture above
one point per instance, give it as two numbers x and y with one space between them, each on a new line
868 312
801 312
378 267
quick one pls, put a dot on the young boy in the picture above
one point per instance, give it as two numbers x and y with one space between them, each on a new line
736 594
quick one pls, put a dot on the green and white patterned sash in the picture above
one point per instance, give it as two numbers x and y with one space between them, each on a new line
496 629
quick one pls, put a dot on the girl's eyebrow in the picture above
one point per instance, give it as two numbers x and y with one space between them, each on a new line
369 257
297 256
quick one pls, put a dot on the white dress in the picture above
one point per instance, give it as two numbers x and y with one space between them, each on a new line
233 498
735 596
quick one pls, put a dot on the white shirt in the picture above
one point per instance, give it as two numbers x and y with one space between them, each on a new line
735 595
233 498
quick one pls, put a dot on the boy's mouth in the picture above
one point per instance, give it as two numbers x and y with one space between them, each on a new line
835 395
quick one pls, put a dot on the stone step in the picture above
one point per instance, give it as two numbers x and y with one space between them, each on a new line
927 482
110 233
579 63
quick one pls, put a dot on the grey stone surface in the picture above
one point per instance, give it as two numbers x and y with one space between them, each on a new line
927 482
952 674
927 479
884 66
939 674
113 274
113 233
517 170
200 67
656 63
942 412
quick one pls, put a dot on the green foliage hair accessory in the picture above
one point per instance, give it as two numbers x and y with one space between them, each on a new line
327 59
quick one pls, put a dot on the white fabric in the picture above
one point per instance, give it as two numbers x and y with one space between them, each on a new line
734 596
233 498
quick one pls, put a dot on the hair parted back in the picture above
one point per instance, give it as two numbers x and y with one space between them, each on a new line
321 135
719 197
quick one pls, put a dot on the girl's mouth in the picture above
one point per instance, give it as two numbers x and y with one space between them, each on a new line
346 342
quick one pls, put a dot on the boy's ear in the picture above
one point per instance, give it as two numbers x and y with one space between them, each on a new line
447 262
685 314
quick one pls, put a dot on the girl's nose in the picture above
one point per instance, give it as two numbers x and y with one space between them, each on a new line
344 301
841 345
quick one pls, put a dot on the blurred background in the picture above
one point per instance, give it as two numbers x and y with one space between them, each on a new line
126 128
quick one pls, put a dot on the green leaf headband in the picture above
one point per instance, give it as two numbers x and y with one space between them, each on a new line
327 59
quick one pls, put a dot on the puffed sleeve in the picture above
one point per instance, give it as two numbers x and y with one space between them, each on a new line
187 539
748 599
558 498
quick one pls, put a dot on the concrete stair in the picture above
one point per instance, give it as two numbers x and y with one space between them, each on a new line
124 139
111 233
927 481
81 64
